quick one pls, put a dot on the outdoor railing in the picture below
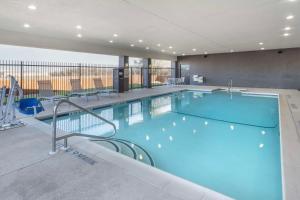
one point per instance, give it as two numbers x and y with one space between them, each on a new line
29 73
159 76
135 77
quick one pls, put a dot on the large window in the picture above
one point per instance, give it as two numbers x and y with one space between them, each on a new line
135 72
160 71
33 65
156 63
8 52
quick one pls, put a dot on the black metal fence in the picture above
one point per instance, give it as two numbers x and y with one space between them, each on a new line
29 73
135 77
159 76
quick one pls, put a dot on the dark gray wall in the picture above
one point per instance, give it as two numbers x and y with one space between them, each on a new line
267 69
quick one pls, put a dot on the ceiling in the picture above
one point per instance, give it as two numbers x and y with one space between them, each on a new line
211 26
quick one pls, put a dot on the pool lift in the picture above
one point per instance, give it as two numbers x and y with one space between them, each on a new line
2 99
8 118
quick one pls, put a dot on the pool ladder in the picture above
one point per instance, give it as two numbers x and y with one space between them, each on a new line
108 139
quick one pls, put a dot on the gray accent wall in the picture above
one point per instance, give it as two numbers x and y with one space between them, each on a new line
263 69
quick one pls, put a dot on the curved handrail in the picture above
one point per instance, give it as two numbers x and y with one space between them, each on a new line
122 140
65 137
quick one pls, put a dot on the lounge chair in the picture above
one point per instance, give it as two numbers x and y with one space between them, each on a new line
100 88
78 91
46 91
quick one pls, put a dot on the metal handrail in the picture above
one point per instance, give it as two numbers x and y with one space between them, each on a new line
65 137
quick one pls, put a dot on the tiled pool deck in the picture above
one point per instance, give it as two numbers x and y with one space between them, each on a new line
28 172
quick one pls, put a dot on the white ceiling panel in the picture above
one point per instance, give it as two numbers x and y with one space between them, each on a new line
213 26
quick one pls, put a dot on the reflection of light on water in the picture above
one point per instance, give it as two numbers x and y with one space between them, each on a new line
174 123
194 131
232 127
183 119
163 129
141 157
261 145
147 137
206 123
132 145
159 146
170 138
263 132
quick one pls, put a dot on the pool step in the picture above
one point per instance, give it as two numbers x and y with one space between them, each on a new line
127 148
110 145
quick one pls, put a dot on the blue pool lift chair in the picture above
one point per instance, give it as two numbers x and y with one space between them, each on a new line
30 106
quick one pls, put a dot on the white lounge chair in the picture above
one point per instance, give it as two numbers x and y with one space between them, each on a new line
78 91
46 91
100 88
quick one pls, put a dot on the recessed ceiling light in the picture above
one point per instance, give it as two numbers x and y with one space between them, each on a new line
158 45
194 49
26 26
231 50
183 54
174 52
132 45
140 40
287 28
79 27
115 35
170 47
163 50
292 0
32 7
290 17
286 34
79 35
261 43
147 48
111 41
262 48
205 52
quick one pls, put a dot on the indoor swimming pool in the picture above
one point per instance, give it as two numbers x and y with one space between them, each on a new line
227 142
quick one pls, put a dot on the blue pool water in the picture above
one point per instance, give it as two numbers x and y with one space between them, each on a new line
229 143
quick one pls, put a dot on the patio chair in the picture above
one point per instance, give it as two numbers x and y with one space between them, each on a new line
46 91
78 91
100 88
